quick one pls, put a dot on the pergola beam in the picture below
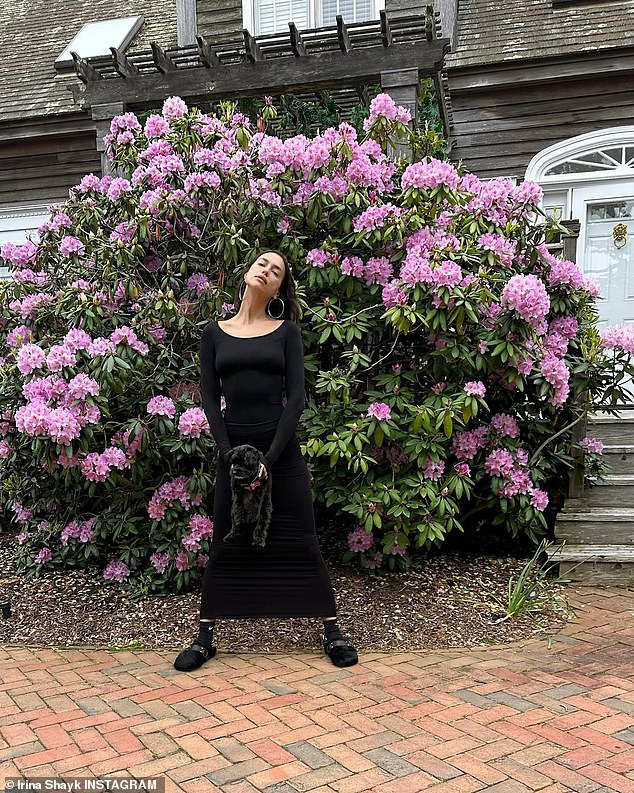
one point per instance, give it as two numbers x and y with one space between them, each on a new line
207 53
84 70
273 76
342 34
386 31
297 43
124 67
162 62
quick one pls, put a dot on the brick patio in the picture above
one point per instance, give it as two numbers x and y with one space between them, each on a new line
553 714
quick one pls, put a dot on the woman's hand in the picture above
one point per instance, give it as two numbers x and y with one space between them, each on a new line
262 473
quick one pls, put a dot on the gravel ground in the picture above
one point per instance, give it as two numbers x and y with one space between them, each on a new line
444 600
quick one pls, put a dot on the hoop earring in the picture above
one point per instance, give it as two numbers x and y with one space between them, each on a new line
241 292
268 307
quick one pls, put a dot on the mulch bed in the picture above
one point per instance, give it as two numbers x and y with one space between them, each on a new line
444 600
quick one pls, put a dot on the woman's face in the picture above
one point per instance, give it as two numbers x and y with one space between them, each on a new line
266 273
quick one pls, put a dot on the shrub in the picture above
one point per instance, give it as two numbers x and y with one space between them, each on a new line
445 346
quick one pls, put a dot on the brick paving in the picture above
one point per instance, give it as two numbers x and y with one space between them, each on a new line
552 714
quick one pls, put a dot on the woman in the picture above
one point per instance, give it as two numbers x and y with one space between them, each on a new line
251 352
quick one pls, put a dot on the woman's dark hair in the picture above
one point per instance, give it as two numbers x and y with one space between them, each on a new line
292 308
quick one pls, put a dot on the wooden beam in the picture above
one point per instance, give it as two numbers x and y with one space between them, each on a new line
122 65
271 76
297 43
207 54
253 51
162 61
363 94
386 30
84 70
430 23
342 35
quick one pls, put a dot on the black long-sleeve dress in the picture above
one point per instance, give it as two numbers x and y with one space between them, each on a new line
288 577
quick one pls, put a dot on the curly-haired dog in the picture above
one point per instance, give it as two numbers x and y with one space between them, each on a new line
250 495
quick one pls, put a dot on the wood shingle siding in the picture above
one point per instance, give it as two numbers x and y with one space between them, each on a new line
497 131
220 20
43 169
34 33
494 32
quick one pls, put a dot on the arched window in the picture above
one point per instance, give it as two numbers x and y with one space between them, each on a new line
604 154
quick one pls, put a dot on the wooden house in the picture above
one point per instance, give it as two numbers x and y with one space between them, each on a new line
47 143
544 90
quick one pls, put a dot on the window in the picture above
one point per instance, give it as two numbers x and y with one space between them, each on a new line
272 16
17 223
350 10
96 38
604 159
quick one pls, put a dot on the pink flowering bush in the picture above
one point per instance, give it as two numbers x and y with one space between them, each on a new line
444 342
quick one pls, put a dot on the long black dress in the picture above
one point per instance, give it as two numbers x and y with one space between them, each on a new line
288 577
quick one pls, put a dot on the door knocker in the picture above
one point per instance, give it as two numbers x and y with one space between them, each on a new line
619 234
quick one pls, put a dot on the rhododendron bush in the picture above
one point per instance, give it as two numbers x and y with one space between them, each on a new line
444 344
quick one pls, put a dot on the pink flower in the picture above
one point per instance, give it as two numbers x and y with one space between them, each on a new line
447 274
565 273
160 561
379 410
592 445
619 336
359 540
44 556
539 499
161 406
116 570
155 127
393 295
433 470
499 462
174 107
475 388
496 243
527 296
30 358
384 106
317 257
463 469
430 173
70 245
192 423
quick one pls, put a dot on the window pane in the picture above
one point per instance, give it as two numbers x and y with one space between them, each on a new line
350 10
615 154
299 13
328 12
266 17
577 167
364 10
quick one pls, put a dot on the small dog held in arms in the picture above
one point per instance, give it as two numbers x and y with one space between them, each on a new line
250 495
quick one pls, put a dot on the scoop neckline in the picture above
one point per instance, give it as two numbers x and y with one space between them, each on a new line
259 336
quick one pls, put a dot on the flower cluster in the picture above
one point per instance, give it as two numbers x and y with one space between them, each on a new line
172 490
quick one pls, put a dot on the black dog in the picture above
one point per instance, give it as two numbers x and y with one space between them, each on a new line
250 495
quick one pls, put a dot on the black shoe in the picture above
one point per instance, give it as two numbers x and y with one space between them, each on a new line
340 651
193 657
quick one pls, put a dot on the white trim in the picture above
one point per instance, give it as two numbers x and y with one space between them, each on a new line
314 14
248 16
565 150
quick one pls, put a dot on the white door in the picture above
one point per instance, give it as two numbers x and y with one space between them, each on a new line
600 208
